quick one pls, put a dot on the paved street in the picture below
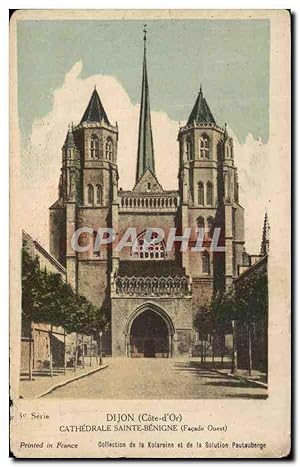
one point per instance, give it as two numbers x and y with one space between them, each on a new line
157 379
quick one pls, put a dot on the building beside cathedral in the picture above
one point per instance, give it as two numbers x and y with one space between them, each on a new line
150 295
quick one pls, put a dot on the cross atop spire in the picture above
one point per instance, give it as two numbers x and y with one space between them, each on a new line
145 155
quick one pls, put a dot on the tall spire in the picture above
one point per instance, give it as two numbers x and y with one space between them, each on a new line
265 241
145 154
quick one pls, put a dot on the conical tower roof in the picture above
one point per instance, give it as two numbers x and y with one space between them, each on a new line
201 112
69 141
95 111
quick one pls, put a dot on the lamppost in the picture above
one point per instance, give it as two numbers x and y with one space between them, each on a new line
100 348
234 350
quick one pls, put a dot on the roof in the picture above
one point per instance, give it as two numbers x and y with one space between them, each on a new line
69 141
27 240
49 257
95 111
57 205
148 179
201 112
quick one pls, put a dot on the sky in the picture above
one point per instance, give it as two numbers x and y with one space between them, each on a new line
59 62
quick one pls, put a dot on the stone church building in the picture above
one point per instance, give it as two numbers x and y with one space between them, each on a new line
150 295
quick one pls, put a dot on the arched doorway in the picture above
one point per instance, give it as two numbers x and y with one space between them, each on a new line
150 336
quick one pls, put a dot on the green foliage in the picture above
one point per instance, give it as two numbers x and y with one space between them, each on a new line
46 298
247 303
251 297
203 322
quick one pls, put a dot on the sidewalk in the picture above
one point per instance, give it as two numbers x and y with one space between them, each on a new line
42 383
257 378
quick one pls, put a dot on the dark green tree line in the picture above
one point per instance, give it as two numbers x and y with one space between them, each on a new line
246 303
46 298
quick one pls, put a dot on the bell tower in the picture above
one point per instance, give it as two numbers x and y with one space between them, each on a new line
198 147
97 140
208 187
199 154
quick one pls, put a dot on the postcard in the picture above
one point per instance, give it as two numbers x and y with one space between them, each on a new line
150 223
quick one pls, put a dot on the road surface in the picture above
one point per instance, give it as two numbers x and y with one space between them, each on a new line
150 378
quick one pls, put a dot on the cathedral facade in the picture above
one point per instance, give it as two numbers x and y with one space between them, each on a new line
150 294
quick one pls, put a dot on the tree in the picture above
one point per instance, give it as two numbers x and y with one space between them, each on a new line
46 298
246 304
251 304
203 323
222 313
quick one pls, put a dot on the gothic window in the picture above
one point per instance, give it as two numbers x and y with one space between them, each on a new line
205 262
209 194
204 147
109 149
90 194
97 252
94 147
188 150
200 193
231 152
210 225
99 194
200 222
148 250
227 152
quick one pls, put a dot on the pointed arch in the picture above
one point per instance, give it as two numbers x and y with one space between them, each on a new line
201 193
99 194
109 149
210 225
94 147
188 149
200 222
90 194
204 146
209 193
205 262
97 251
157 311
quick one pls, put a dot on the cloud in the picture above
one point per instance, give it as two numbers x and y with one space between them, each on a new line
253 161
41 159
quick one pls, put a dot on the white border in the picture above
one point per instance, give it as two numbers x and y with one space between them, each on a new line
65 4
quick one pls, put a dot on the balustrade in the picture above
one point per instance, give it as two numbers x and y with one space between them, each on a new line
149 202
152 286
